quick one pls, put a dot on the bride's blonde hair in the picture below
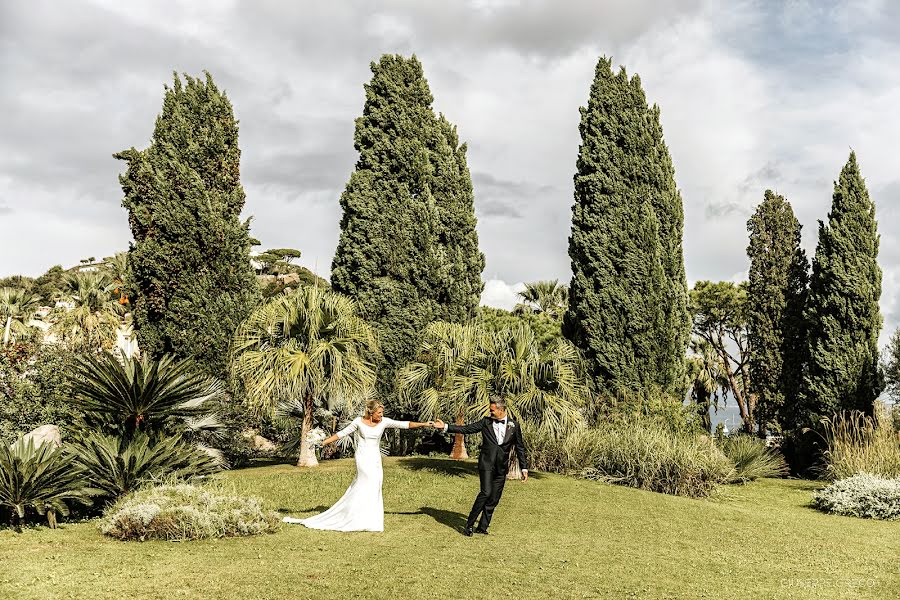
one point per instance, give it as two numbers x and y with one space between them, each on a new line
372 407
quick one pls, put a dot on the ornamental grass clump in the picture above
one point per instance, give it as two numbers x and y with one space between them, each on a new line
861 444
863 495
649 456
181 512
752 458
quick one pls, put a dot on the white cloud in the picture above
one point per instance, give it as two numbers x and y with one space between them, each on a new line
753 95
499 294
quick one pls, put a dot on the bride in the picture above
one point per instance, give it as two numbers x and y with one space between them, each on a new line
361 508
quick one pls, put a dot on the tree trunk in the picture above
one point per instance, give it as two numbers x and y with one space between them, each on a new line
6 331
738 395
459 442
307 454
51 518
514 471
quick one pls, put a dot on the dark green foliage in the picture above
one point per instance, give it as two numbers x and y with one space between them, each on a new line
142 420
842 310
34 390
628 298
545 327
18 281
189 271
408 251
115 466
41 478
49 285
776 296
127 396
891 368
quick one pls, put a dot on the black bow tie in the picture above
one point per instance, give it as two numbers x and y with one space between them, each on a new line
499 420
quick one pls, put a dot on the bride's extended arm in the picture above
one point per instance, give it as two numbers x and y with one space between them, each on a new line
392 424
353 426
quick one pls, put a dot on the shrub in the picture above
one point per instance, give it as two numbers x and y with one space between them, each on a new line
863 495
179 512
651 457
861 444
752 458
41 478
638 453
33 390
116 466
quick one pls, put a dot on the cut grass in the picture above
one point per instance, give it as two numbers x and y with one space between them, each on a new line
552 537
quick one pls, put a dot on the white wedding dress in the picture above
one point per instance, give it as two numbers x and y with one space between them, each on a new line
361 508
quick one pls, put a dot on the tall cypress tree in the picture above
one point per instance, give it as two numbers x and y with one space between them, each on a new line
842 312
408 249
777 290
189 263
628 297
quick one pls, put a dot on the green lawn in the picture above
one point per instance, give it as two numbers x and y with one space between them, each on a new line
553 537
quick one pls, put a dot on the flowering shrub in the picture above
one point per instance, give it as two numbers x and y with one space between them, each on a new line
862 495
179 512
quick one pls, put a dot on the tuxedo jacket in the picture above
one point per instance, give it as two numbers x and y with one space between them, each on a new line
494 455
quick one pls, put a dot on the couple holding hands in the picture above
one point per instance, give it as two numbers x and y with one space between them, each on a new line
361 508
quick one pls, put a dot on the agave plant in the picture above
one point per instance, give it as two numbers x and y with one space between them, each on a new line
116 466
42 478
129 395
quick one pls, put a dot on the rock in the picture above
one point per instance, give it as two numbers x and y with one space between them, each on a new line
259 442
45 434
263 444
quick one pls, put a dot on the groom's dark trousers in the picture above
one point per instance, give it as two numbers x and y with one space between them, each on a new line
493 465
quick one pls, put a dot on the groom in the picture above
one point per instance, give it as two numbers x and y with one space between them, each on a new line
499 434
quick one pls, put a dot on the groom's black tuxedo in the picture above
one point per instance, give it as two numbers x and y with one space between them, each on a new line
493 464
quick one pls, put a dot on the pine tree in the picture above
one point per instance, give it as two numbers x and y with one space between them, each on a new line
628 298
408 249
842 311
189 267
777 292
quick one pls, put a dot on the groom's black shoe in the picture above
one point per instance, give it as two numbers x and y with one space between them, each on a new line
481 531
467 532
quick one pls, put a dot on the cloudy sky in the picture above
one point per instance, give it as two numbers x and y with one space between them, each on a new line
754 95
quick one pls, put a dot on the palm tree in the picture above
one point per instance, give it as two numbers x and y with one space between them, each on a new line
117 266
549 297
16 309
447 377
545 389
92 323
459 367
310 347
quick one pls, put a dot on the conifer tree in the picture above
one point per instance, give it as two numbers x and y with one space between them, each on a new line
408 249
189 266
776 294
842 312
628 297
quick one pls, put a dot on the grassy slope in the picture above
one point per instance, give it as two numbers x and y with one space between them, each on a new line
552 537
